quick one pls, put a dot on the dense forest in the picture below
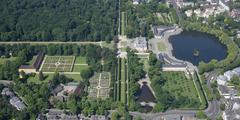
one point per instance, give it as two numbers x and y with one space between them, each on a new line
141 17
60 20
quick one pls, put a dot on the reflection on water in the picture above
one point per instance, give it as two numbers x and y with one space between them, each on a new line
208 47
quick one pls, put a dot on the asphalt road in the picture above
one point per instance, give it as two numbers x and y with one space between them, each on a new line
5 82
160 115
213 106
176 8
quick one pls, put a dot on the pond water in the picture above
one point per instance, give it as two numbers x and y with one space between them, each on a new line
195 46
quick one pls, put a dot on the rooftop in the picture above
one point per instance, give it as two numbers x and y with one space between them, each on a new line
6 91
141 42
16 102
160 30
36 64
225 90
233 112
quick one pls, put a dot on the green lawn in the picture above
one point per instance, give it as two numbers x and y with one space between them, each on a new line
123 82
160 18
108 45
179 85
79 68
4 59
123 23
161 46
80 60
145 64
144 56
76 77
118 78
32 60
37 81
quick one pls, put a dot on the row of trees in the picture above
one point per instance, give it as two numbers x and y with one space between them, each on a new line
136 72
60 20
141 17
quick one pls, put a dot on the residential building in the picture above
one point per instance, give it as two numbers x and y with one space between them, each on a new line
232 111
227 91
182 3
238 34
16 102
213 2
222 80
189 13
229 74
235 13
7 92
224 4
136 2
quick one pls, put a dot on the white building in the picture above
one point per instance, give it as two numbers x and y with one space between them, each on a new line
140 44
224 4
213 2
238 34
222 80
182 3
233 112
229 74
136 2
189 13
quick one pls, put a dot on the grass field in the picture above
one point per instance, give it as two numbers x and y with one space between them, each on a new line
123 81
145 64
36 80
161 46
80 60
179 85
80 64
32 60
58 63
75 77
79 68
118 80
165 18
123 23
108 45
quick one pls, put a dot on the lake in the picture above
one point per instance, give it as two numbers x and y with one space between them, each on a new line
195 46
